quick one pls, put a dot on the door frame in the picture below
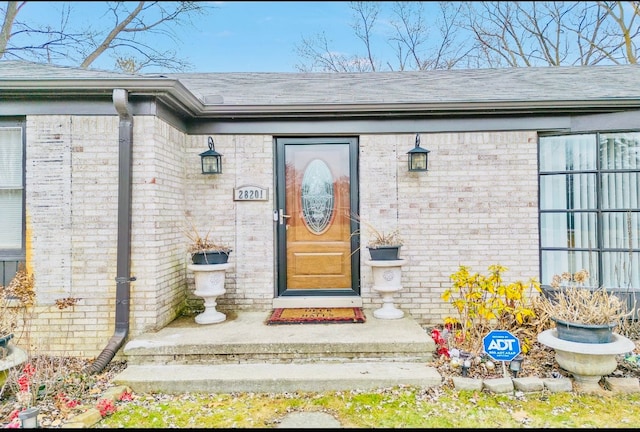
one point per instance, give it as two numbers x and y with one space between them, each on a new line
279 202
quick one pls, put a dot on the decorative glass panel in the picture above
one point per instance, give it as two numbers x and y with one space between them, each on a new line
317 196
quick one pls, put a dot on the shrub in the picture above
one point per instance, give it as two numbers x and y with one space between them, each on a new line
485 302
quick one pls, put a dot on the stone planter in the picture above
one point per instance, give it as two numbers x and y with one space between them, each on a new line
4 341
210 257
209 280
387 275
585 333
384 253
587 362
13 356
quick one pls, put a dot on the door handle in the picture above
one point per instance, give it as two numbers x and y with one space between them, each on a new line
282 216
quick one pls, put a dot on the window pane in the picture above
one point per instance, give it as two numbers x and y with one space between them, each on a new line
10 158
568 230
568 153
621 269
11 217
558 262
620 151
618 229
620 191
568 191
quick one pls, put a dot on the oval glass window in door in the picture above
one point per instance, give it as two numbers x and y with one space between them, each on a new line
317 196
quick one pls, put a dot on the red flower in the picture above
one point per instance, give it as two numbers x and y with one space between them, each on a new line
73 403
14 424
439 340
443 351
29 370
126 396
23 382
106 407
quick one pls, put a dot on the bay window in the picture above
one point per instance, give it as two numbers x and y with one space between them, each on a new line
590 207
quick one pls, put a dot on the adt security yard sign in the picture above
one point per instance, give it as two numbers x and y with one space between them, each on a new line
501 345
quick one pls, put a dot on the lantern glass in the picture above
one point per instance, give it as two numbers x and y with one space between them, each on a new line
211 160
211 165
418 162
418 157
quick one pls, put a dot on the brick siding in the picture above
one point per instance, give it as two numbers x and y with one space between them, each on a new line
476 206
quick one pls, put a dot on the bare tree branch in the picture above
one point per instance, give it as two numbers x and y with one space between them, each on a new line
13 7
122 32
627 32
409 40
367 13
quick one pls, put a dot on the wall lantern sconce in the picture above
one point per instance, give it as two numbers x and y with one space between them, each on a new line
29 418
516 365
418 157
211 160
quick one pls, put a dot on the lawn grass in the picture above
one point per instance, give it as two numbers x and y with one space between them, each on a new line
399 407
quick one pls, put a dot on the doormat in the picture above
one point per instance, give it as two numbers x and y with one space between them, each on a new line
316 316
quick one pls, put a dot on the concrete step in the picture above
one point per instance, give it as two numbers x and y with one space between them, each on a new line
245 338
276 378
244 354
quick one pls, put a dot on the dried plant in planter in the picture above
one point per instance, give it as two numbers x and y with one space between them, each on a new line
585 306
381 238
570 301
200 244
377 237
206 251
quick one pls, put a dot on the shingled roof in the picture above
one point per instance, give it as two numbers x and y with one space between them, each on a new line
469 85
604 88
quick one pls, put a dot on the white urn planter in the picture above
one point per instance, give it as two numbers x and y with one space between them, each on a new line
209 281
587 362
387 277
11 356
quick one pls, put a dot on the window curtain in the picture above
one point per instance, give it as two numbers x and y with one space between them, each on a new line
590 207
11 189
568 204
620 203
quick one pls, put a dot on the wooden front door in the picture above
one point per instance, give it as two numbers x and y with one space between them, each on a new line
316 205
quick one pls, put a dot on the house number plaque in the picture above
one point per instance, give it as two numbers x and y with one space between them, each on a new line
250 193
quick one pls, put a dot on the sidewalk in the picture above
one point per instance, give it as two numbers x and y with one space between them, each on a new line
309 420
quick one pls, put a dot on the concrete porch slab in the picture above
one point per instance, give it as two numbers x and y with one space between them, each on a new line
245 336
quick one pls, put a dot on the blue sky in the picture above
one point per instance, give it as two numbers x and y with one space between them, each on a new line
236 36
261 36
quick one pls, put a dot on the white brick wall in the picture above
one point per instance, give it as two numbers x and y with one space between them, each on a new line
476 206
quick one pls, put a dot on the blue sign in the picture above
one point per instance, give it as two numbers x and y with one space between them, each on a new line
501 345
